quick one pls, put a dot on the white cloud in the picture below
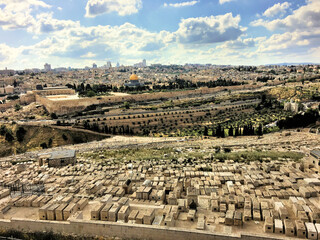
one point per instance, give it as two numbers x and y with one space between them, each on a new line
241 43
298 41
122 7
102 42
182 4
15 20
89 55
305 17
301 33
8 54
19 5
69 41
17 14
45 23
225 1
212 39
211 29
279 8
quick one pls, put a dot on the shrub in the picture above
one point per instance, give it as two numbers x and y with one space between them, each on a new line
9 137
64 137
17 107
43 145
21 132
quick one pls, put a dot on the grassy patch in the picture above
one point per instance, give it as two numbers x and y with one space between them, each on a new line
258 156
132 154
169 153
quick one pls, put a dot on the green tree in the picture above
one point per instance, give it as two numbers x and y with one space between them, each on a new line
223 133
205 132
260 130
230 131
106 129
17 107
43 145
90 93
9 137
126 105
88 87
3 130
21 132
81 88
64 137
53 116
50 142
227 150
237 132
86 124
95 127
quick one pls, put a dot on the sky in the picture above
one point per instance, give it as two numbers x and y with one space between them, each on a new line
78 33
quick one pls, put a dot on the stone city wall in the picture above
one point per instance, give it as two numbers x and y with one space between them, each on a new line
122 230
57 91
75 105
27 98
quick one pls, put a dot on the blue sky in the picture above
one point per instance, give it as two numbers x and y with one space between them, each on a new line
78 33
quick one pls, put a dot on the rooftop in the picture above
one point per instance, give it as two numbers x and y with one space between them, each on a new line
62 154
315 153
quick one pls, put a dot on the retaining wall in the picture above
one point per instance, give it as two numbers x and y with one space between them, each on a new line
75 105
122 230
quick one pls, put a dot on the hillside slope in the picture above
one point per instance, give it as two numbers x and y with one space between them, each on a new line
39 137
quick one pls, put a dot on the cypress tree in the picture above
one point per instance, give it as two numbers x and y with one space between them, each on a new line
230 133
260 130
236 132
205 132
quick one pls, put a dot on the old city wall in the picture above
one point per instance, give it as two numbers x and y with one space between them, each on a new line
48 92
75 105
66 106
46 102
27 98
122 230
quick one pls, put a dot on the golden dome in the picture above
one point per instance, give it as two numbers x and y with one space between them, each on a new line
133 77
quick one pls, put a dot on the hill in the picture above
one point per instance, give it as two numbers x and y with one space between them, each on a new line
15 139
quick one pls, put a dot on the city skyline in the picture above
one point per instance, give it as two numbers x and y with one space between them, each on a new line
236 32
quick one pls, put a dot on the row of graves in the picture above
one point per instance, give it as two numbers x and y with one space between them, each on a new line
281 198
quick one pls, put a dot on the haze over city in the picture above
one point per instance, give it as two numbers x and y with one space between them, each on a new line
77 33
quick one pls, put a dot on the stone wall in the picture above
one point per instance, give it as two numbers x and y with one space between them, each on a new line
68 106
122 230
27 98
61 162
55 91
75 105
